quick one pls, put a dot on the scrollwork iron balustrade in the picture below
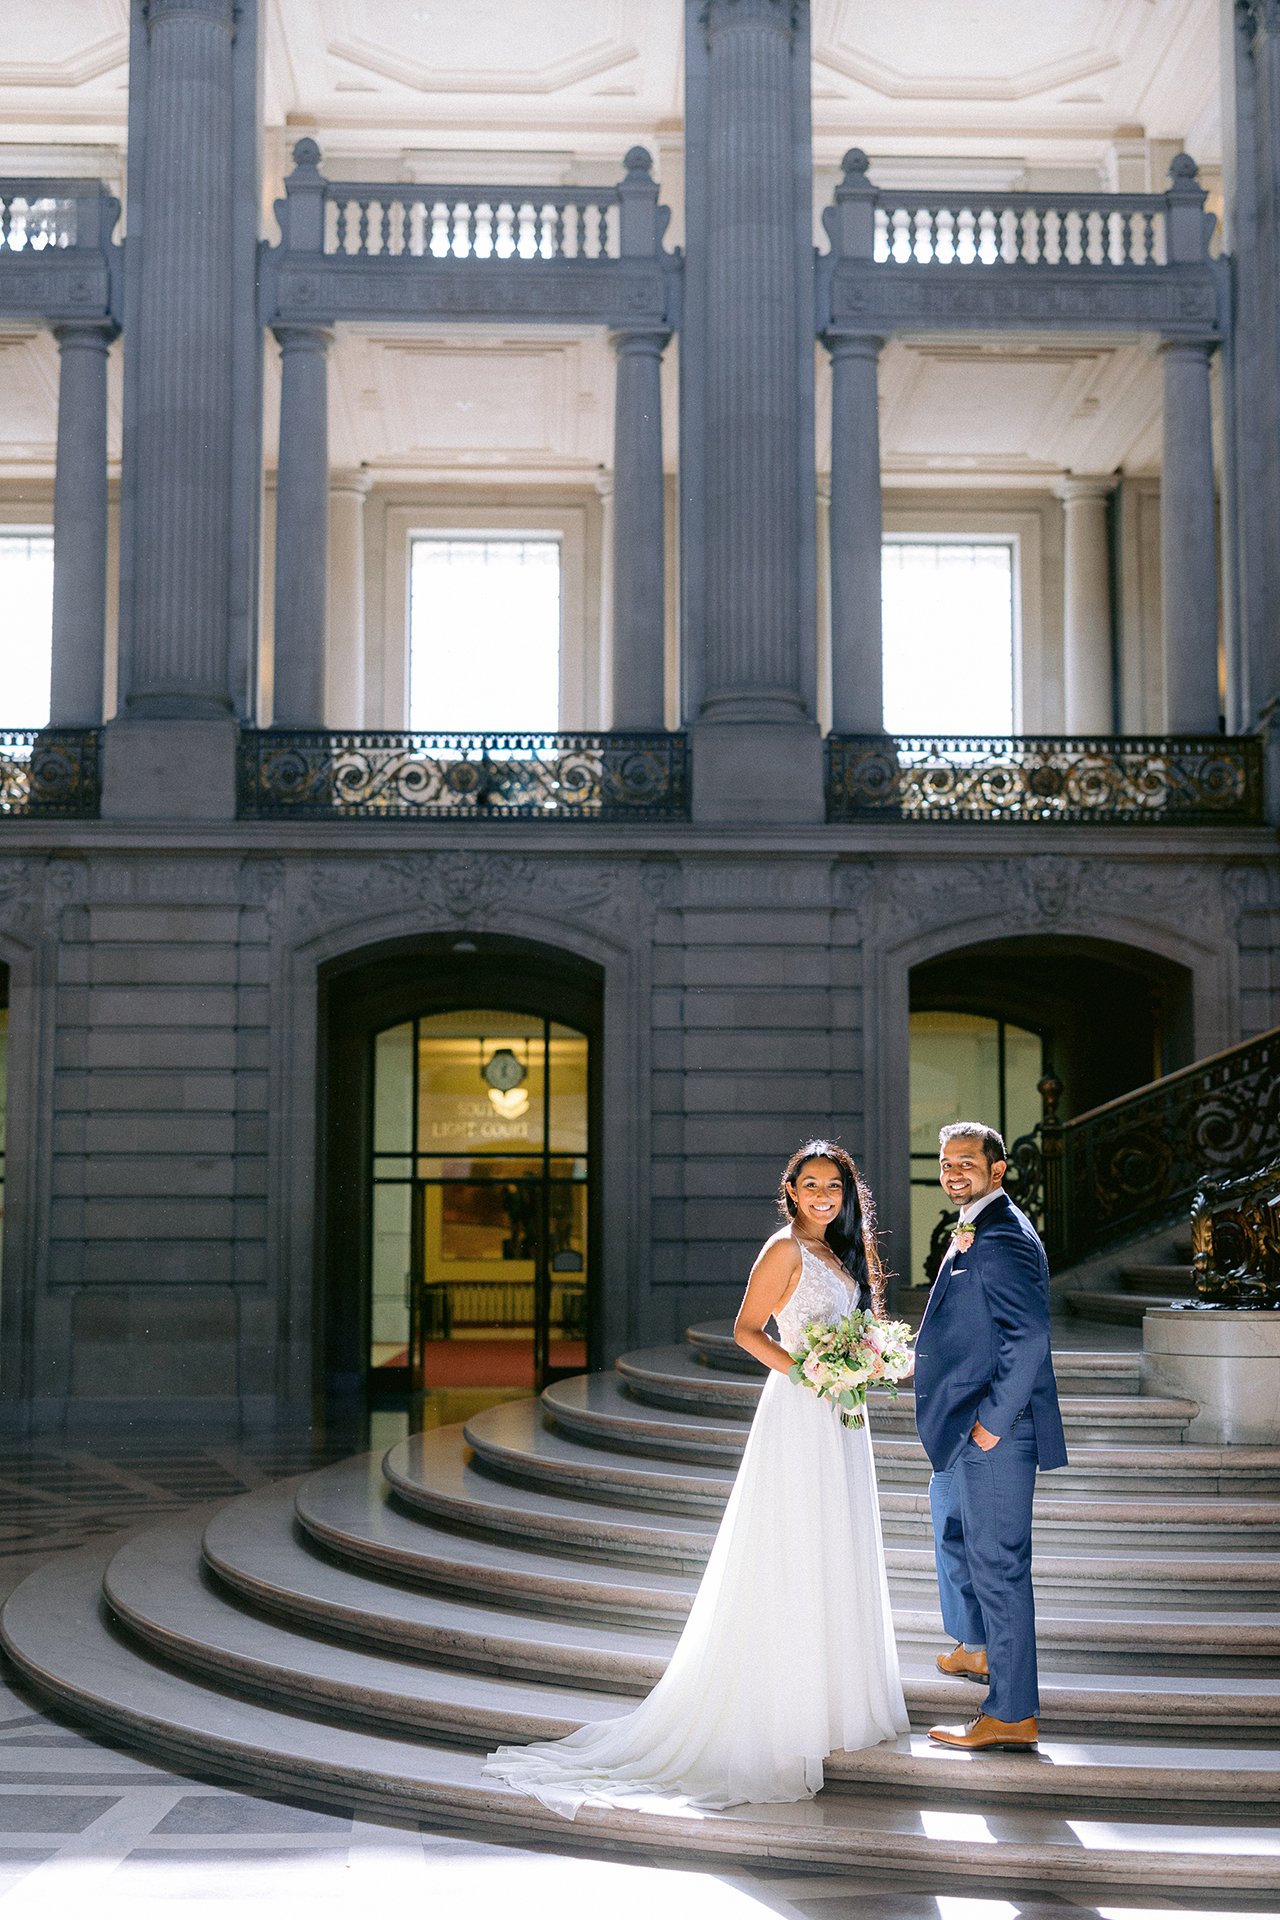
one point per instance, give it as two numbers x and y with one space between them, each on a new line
1136 1163
49 773
1235 1240
461 776
1192 781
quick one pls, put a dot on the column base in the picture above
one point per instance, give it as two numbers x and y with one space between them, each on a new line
759 773
1227 1360
164 770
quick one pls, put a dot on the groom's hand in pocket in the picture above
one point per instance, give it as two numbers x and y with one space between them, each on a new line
982 1438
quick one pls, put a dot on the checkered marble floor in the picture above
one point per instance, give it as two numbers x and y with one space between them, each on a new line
86 1828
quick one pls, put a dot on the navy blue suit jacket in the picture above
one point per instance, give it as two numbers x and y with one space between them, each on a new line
982 1352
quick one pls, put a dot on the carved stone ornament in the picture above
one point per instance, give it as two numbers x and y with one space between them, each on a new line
1052 892
462 889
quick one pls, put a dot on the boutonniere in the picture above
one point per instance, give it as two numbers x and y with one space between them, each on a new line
962 1237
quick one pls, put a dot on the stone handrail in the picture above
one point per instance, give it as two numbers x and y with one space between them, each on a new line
58 262
445 221
1042 229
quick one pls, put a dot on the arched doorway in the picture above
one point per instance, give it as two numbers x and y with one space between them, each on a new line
989 1021
460 1231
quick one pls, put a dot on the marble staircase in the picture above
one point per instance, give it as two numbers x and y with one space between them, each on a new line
362 1634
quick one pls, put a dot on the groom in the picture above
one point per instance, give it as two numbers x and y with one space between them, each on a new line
987 1413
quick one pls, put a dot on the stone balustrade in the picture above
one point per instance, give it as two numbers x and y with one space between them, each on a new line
472 223
57 258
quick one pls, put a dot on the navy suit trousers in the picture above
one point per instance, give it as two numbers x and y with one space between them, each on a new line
981 1511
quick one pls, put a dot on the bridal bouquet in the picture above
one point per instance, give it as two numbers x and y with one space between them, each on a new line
842 1358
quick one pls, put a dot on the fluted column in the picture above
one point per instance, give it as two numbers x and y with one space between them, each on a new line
639 571
856 522
178 651
80 524
1087 649
302 527
344 667
1188 545
752 639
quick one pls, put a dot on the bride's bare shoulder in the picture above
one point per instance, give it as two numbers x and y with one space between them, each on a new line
780 1251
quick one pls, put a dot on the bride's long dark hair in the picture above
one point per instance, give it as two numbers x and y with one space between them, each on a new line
851 1236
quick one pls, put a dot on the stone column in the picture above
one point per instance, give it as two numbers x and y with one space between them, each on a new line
344 708
639 573
752 642
178 651
857 666
1087 647
302 527
1188 546
80 524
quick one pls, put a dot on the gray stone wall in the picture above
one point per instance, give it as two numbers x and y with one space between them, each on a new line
160 1238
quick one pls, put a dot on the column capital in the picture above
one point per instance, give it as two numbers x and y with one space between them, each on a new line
649 340
1177 348
217 13
300 336
353 480
1086 486
719 16
86 333
843 343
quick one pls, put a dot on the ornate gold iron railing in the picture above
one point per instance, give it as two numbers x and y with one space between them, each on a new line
49 773
1235 1240
1121 781
462 776
1140 1162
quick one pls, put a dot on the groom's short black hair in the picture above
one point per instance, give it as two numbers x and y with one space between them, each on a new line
991 1142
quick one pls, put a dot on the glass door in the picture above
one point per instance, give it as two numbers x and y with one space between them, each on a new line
480 1194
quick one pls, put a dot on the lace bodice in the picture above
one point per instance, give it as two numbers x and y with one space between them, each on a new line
821 1294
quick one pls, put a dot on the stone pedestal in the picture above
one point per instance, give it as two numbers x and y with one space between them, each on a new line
169 770
757 772
1228 1361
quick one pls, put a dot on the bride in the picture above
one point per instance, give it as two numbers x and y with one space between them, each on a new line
788 1652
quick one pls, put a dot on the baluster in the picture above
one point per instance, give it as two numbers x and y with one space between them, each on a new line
473 213
922 238
1010 239
1072 237
987 250
570 227
901 248
362 226
340 226
944 246
482 230
1095 248
880 241
1148 238
966 237
524 228
602 232
504 243
380 237
439 229
5 229
415 235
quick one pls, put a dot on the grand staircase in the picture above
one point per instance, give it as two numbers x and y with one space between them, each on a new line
360 1636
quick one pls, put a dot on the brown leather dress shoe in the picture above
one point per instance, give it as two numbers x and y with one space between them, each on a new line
969 1666
983 1733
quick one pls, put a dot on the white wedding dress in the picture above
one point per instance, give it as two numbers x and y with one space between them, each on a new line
788 1652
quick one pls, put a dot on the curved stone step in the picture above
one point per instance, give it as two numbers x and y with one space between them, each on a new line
154 1586
254 1552
674 1377
1086 1372
1119 1309
54 1631
431 1474
514 1439
600 1409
